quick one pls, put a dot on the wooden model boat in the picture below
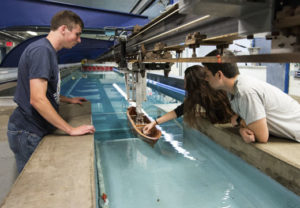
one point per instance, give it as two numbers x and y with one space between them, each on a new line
154 135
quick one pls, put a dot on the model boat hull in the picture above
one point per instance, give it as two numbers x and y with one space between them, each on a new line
155 133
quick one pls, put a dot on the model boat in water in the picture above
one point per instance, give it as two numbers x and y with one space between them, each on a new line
138 126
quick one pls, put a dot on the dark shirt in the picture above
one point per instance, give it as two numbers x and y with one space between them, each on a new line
39 60
179 110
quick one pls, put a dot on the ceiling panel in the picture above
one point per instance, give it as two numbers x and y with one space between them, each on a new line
115 5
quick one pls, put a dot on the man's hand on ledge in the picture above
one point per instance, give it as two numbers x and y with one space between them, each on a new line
74 100
81 130
247 135
77 100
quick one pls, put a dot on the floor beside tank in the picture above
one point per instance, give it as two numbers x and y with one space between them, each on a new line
8 170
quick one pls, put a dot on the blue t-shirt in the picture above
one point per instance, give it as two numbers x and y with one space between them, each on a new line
39 60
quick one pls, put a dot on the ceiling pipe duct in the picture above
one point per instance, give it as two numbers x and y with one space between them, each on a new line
141 6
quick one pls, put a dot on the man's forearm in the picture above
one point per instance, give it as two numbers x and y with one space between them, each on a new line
46 110
260 130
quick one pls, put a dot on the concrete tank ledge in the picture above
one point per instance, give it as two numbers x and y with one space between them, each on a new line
60 173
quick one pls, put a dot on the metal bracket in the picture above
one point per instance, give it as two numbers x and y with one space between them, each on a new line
142 67
193 40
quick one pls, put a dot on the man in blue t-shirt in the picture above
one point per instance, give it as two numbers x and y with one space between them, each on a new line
38 89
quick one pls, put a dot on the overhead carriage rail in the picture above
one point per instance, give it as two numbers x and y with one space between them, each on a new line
176 30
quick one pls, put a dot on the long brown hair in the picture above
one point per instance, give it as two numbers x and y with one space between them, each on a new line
199 93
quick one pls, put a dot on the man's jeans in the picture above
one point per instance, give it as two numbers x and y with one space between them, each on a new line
22 143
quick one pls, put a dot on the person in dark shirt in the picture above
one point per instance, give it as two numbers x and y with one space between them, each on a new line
201 101
38 89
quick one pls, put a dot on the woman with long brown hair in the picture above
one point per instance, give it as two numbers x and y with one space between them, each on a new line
201 101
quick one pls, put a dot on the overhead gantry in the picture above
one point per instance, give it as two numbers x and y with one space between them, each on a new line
194 23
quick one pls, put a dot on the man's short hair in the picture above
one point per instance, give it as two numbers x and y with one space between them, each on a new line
66 17
230 70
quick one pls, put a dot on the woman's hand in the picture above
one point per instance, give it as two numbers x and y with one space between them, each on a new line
148 127
233 120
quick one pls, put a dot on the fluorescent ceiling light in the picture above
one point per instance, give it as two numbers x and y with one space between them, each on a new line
32 33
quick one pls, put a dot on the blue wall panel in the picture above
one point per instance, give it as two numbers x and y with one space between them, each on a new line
275 72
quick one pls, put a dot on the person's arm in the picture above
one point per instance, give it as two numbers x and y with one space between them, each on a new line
73 100
254 124
260 130
167 117
255 131
40 102
234 120
246 134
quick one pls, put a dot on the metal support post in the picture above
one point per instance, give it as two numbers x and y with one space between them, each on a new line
141 86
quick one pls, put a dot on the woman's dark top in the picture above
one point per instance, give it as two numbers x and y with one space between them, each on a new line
179 110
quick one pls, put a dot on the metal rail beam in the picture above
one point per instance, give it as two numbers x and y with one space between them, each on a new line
172 28
259 58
